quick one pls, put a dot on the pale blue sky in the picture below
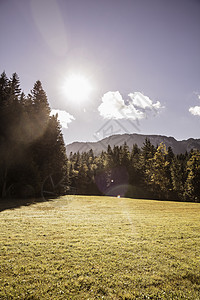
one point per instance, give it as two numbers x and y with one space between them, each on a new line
146 46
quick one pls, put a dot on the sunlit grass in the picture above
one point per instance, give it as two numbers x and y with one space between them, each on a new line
100 248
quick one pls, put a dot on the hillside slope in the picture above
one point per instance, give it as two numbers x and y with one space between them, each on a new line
131 139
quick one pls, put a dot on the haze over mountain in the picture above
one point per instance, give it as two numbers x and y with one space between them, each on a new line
131 139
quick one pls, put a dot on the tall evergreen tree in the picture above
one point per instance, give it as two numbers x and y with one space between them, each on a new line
158 173
41 109
125 156
31 141
14 87
3 90
177 179
192 185
10 113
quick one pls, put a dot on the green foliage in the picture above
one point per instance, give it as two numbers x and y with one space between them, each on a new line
32 150
192 184
157 173
177 178
140 173
31 141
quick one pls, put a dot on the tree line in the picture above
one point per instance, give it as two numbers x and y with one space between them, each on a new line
150 172
33 160
31 141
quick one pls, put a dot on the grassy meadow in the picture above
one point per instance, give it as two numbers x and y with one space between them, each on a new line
80 247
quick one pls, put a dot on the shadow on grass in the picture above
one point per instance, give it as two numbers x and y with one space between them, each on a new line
17 203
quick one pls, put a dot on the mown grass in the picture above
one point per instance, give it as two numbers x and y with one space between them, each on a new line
79 247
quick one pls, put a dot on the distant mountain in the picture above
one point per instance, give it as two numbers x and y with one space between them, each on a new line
131 139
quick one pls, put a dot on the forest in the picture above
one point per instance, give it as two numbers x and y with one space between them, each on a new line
33 160
150 172
31 141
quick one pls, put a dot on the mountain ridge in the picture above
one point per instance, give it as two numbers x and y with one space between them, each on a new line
131 139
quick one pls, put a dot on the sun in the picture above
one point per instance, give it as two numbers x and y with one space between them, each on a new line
77 87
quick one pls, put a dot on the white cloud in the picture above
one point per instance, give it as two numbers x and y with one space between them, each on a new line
195 110
198 96
142 101
113 106
64 117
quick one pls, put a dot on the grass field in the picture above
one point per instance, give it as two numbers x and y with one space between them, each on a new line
79 247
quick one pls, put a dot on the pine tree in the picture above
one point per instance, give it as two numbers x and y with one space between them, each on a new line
10 113
31 142
40 109
169 158
14 87
177 179
170 154
125 156
3 91
147 151
109 157
136 175
83 180
50 155
146 155
158 173
192 185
